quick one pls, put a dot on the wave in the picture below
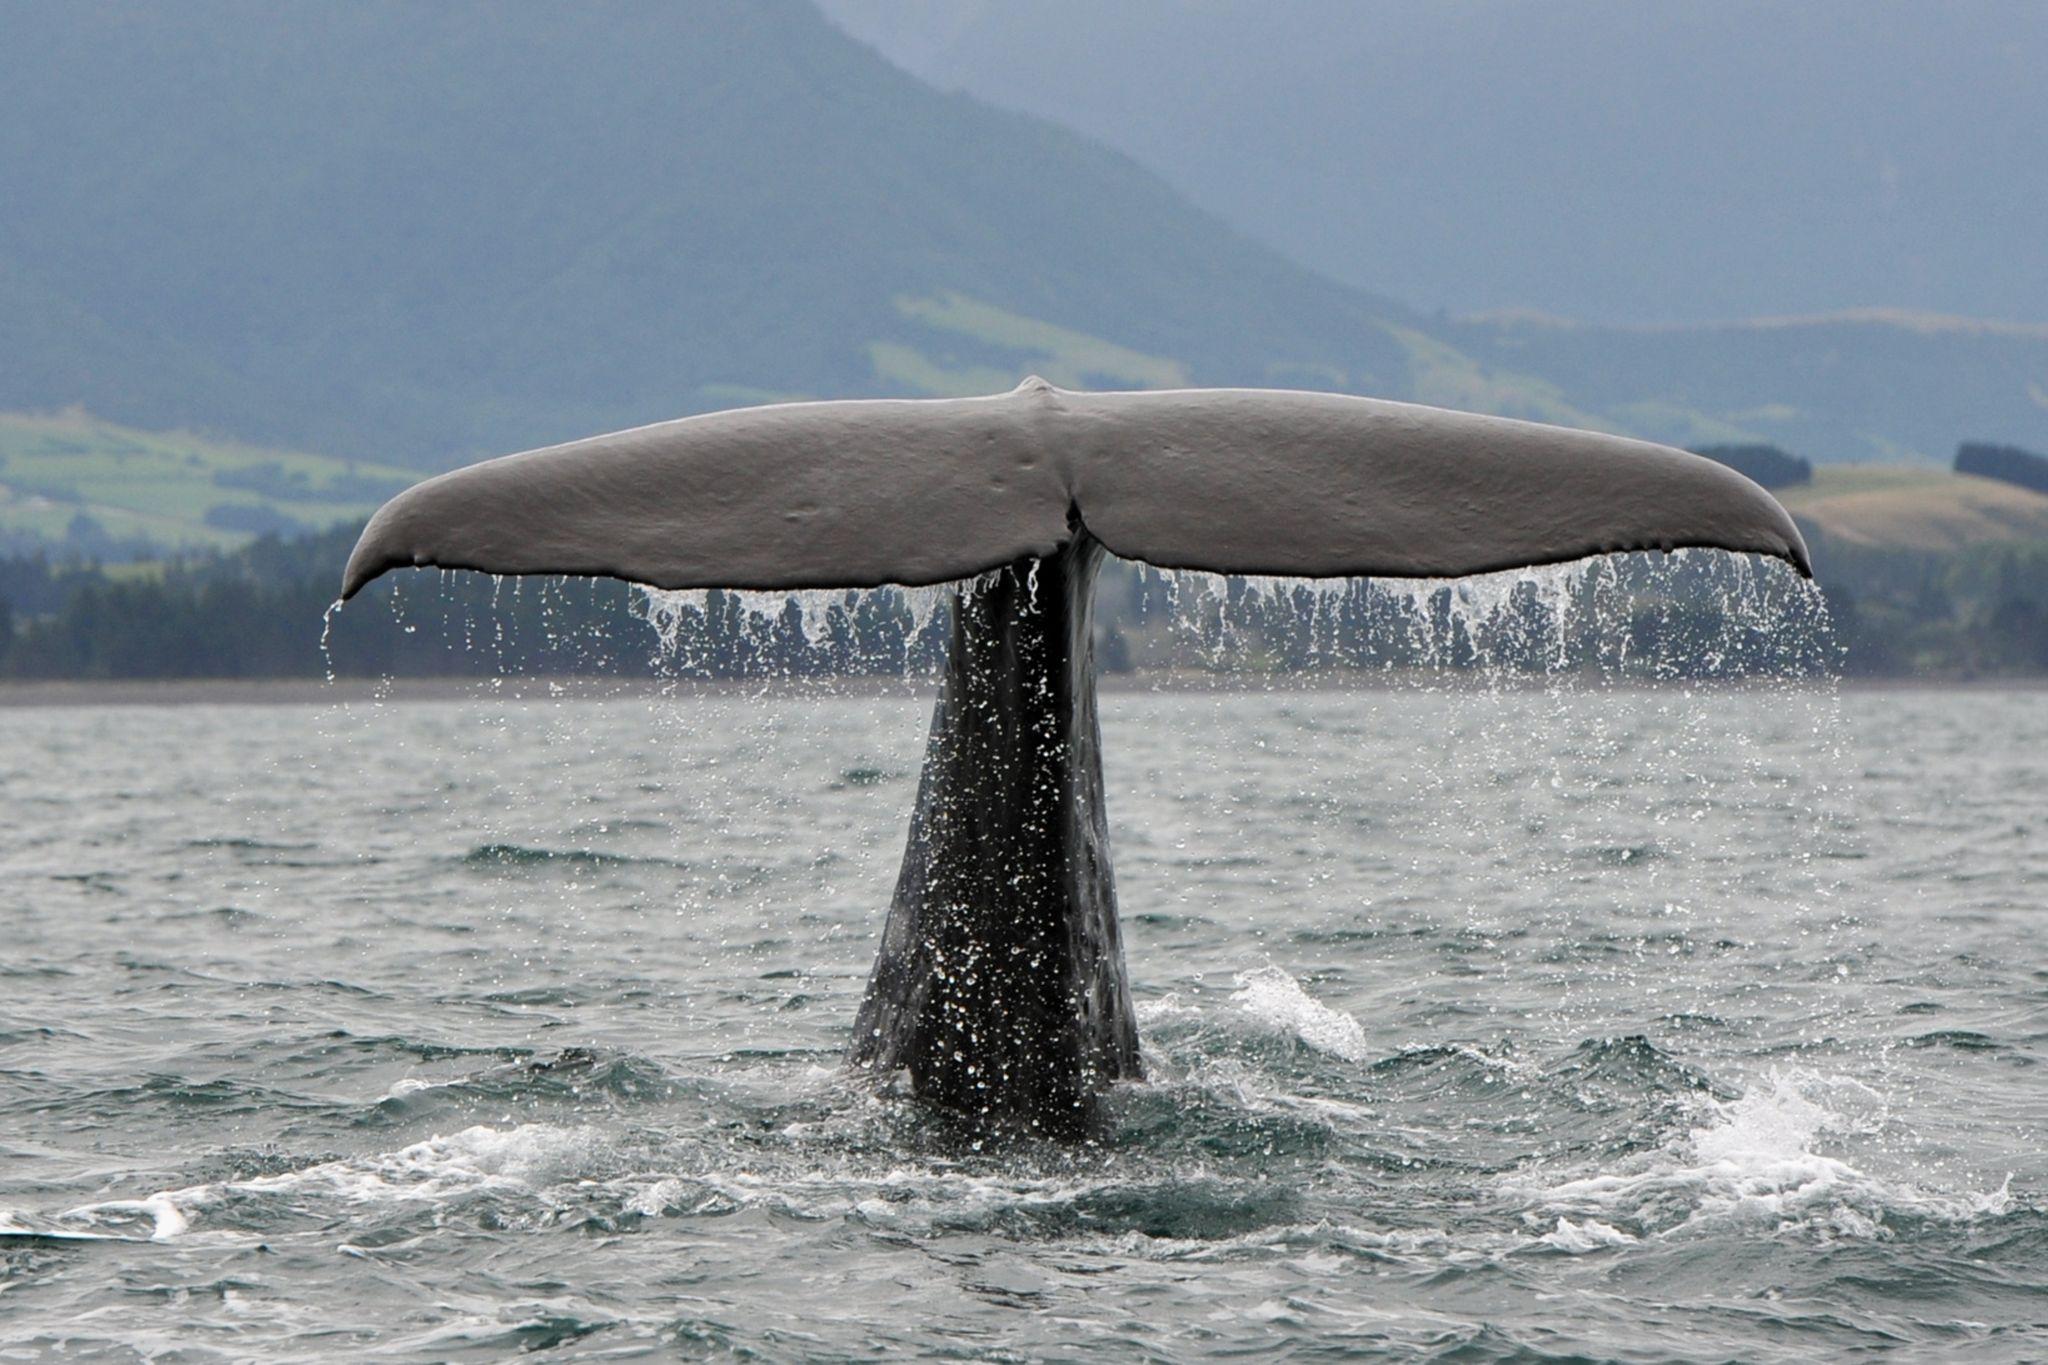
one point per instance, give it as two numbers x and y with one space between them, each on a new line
248 845
865 777
1752 1162
1274 998
542 1174
1576 1239
523 855
518 1160
575 1074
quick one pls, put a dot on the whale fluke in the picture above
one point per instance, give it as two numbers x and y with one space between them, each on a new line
1000 984
916 491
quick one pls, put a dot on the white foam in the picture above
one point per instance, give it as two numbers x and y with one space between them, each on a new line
1273 997
523 1157
1752 1161
651 1201
1168 1006
12 1226
167 1220
1576 1239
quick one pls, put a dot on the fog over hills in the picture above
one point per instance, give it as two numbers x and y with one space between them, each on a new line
420 233
1605 160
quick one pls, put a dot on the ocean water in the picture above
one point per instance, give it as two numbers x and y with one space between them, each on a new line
1483 1023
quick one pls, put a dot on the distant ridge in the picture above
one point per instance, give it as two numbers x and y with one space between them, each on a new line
1592 158
395 230
1905 319
415 234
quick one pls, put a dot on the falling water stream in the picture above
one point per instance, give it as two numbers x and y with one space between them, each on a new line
1559 971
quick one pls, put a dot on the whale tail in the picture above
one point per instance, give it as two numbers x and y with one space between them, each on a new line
915 491
1000 984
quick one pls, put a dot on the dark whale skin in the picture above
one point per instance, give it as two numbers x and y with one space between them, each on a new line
1000 983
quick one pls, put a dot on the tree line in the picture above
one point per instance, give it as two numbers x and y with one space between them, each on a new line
264 612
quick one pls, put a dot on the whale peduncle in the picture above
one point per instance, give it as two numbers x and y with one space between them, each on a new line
1000 982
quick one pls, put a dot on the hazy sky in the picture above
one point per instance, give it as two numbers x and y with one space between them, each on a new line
1604 159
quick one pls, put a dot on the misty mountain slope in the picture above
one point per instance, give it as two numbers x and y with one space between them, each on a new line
419 233
1853 386
411 230
1598 159
1593 157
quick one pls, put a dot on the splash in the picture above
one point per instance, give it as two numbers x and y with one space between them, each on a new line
1276 999
522 1159
1499 615
668 611
1688 613
1576 1239
1683 615
1755 1162
818 615
327 637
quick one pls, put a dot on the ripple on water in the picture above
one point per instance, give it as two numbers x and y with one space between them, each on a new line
1426 1076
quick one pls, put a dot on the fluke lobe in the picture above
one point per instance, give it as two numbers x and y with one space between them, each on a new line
1000 983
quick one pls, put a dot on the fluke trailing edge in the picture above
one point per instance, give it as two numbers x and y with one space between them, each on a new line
1000 983
915 491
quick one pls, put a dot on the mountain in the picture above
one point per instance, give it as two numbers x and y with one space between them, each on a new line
412 234
1868 385
412 231
1599 159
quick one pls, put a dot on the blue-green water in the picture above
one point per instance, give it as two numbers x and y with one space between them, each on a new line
1634 1024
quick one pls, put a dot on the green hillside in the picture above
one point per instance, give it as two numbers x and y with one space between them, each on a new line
1933 510
78 481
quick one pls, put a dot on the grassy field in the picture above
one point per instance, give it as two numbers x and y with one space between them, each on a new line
1008 346
1916 508
173 489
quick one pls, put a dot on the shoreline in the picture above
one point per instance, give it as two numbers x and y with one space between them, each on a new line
403 691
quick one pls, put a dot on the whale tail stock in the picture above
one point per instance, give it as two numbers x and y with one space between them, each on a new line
1000 983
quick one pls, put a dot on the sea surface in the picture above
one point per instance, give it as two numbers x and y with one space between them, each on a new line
1483 1022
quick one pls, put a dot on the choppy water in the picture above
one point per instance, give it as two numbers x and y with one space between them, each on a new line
1643 1024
